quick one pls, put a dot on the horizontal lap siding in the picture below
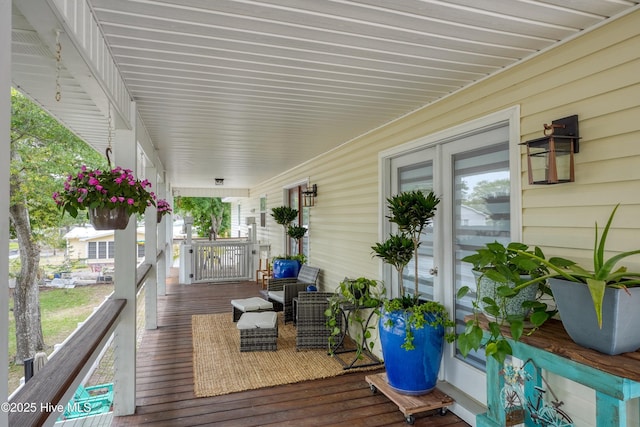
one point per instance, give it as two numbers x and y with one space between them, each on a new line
605 94
596 76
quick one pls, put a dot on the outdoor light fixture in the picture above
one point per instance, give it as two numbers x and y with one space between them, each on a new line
550 159
309 196
219 181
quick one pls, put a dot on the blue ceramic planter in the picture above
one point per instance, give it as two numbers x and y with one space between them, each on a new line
411 372
283 268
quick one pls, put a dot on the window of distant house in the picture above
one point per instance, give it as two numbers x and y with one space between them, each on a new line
140 250
101 250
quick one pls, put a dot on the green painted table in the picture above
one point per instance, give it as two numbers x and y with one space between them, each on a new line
615 379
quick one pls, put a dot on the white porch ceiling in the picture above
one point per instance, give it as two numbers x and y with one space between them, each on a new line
244 90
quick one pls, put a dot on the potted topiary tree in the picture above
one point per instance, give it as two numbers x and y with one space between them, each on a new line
287 265
412 330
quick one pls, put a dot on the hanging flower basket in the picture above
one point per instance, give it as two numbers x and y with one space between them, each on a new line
111 190
164 208
109 218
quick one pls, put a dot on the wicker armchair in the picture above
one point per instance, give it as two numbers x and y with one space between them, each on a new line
281 292
311 323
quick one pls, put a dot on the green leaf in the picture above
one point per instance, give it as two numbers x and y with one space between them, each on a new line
462 292
597 288
516 326
537 318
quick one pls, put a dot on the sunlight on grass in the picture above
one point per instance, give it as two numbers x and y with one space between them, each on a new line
61 311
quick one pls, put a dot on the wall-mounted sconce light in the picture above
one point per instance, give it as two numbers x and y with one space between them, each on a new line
550 159
219 181
309 196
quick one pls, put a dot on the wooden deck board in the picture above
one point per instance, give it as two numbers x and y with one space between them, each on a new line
164 395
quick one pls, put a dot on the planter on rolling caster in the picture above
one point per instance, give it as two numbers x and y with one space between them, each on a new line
411 372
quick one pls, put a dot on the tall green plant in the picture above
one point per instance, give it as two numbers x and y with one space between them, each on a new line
284 215
412 211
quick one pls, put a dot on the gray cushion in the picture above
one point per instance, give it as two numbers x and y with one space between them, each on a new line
264 320
252 304
277 296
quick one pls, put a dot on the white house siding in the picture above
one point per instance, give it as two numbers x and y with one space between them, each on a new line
596 76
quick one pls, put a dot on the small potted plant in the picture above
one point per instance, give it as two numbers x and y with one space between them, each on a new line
598 306
110 197
361 298
163 208
412 330
509 285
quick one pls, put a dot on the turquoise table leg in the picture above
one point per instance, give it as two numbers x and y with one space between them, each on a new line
610 412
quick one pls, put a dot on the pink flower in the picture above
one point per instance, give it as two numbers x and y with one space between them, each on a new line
130 201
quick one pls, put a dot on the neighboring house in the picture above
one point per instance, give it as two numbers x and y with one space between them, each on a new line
97 247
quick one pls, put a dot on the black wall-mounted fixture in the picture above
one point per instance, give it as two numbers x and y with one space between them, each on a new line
309 196
219 181
550 159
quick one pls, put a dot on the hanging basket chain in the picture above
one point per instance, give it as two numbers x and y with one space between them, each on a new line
108 150
58 66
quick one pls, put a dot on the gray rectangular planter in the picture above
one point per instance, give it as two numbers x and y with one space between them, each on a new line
620 332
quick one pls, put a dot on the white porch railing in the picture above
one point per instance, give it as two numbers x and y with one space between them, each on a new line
222 260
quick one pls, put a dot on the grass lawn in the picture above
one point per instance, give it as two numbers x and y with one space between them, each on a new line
61 311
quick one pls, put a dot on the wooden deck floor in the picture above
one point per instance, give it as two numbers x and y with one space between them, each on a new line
165 380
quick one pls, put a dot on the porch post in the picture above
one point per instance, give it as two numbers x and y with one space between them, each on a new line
5 155
150 256
125 155
164 243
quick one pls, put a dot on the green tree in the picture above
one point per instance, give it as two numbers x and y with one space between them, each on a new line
211 217
42 151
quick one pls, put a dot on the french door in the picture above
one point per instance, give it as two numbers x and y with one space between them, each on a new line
475 172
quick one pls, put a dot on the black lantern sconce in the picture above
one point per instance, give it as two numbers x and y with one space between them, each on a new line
550 159
309 196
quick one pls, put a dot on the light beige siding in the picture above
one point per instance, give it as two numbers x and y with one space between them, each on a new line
596 76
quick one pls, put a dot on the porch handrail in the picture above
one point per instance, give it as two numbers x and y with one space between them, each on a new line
141 273
56 382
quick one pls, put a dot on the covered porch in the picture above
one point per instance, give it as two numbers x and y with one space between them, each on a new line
255 101
165 384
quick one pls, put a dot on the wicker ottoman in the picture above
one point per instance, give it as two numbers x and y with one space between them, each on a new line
249 304
258 331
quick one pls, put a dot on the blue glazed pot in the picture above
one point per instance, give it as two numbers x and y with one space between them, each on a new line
283 268
411 372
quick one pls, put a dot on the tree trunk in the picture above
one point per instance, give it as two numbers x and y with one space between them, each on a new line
26 308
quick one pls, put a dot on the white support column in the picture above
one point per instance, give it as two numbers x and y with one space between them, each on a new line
150 255
125 155
163 243
5 155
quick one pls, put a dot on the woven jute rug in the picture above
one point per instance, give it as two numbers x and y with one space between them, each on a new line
220 368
